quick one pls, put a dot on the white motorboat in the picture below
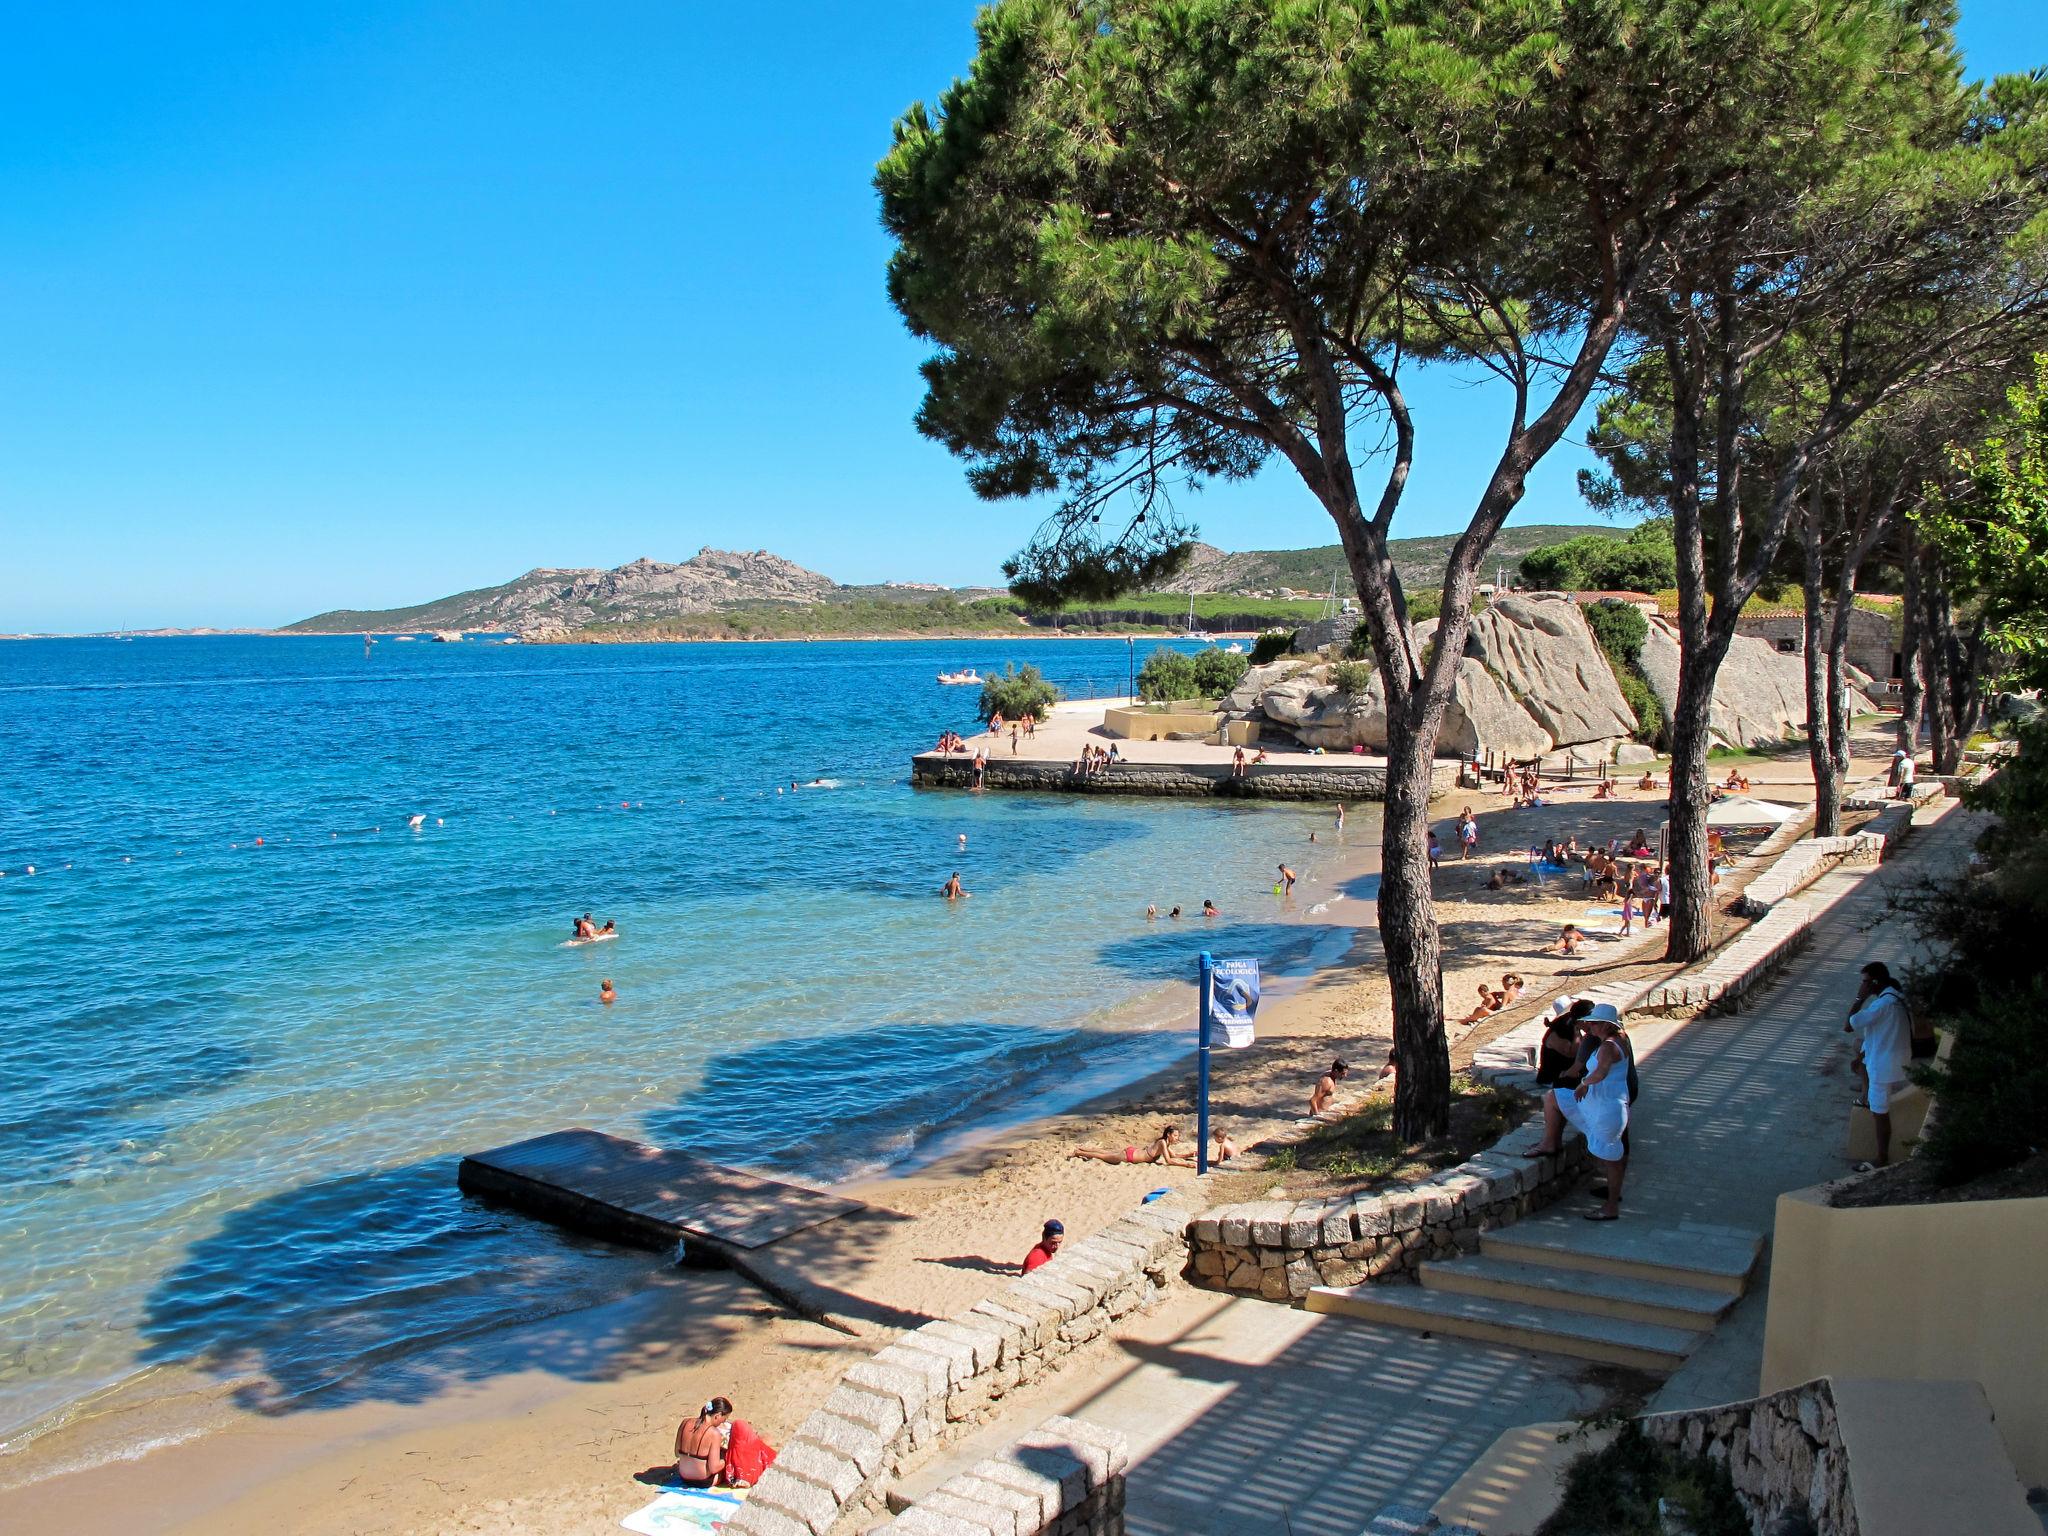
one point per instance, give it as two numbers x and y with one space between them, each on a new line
961 679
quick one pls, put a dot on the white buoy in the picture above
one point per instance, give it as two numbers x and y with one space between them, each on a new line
439 822
416 822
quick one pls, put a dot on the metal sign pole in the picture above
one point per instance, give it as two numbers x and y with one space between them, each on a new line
1202 1073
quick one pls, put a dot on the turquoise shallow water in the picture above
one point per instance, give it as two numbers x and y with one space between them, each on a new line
237 1077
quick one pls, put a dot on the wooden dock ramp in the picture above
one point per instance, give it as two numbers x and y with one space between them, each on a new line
630 1192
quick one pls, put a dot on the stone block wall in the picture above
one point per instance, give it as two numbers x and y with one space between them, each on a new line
933 1384
1337 779
1784 1453
1065 1478
1281 1250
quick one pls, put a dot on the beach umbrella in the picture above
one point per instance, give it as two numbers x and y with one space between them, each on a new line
1739 811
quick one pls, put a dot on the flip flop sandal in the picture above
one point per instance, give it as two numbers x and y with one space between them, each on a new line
1601 1216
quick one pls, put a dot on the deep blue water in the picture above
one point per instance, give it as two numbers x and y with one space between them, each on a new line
236 1077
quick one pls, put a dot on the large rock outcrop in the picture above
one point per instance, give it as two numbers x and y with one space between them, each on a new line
1532 681
1759 694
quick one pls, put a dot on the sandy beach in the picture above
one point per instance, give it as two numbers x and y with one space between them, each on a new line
541 1428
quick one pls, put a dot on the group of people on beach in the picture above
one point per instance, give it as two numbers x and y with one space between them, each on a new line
1165 1150
1094 760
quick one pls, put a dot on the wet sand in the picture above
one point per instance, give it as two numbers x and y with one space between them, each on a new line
541 1428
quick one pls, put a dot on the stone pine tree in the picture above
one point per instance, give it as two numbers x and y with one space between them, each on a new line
1893 260
1161 242
1987 534
1860 497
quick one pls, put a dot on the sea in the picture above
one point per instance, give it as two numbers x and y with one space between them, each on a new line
294 941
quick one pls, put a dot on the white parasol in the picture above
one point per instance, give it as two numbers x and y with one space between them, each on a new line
1740 811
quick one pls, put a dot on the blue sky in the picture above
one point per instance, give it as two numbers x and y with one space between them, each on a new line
318 305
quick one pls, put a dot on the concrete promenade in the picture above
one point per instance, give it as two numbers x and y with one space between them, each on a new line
1245 1416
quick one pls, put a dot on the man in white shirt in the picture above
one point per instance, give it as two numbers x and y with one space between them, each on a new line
1883 1025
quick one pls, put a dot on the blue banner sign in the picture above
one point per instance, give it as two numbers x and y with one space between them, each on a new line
1234 1000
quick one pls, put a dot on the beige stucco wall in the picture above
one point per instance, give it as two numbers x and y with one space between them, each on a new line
1158 725
1920 1292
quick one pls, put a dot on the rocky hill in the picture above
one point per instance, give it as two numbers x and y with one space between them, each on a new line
1310 571
644 592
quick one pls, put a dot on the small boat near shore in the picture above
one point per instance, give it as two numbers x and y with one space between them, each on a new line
968 678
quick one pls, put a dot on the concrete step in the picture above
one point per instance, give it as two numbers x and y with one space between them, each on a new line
1689 1307
1611 1341
1706 1258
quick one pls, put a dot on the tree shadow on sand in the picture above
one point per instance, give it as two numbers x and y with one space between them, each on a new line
393 1286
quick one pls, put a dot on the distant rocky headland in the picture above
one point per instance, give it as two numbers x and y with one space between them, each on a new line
723 595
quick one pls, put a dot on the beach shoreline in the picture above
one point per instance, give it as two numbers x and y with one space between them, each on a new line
181 1430
509 1437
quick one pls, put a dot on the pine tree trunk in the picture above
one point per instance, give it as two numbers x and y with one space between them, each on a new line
1912 675
1409 935
1690 930
1827 794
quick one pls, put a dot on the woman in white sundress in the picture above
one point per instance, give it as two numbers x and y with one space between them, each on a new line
1598 1109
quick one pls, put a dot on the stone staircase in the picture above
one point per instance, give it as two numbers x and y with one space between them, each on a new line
1629 1293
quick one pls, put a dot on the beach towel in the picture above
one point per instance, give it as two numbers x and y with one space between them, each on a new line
1601 912
687 1512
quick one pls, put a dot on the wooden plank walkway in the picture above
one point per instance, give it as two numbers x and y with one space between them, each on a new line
648 1196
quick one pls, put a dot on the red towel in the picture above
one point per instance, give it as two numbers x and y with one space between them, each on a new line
747 1455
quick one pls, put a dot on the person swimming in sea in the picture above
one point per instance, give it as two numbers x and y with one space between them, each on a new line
605 991
952 890
1209 908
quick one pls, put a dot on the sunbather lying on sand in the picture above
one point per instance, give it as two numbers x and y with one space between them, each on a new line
1162 1151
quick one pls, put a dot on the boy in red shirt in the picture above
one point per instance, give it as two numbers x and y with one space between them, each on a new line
1048 1245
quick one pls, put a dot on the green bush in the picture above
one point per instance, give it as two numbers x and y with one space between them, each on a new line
1646 560
1614 1492
1169 675
1271 646
1217 671
1353 677
1017 692
1621 629
1984 981
1993 1089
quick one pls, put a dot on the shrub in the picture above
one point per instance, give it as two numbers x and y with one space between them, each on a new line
1993 1088
1645 560
1217 671
1615 1492
1984 980
1209 674
1353 677
1271 646
1167 675
1017 692
1620 628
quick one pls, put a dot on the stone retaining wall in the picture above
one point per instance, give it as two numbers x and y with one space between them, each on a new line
1280 1249
1065 1478
1784 1454
1338 779
1737 968
936 1382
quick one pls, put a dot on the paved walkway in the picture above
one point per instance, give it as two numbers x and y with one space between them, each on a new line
1256 1418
